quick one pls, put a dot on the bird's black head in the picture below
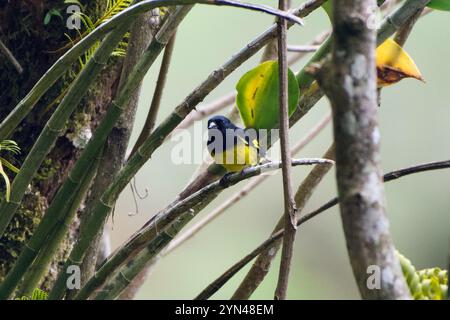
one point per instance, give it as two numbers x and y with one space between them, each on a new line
220 133
220 123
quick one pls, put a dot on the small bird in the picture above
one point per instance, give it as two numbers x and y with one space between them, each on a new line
232 147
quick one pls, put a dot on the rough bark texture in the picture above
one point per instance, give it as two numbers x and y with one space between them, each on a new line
33 43
350 83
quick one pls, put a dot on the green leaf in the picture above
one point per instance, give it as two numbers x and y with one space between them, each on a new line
440 5
9 165
257 97
47 18
50 14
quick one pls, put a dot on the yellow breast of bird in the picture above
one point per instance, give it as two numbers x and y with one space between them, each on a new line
234 160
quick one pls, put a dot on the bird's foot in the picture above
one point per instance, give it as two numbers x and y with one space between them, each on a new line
225 180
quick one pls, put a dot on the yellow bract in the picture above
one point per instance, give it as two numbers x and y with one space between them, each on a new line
394 64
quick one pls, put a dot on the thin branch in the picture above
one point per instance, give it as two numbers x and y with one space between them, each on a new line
113 157
55 125
149 241
102 206
290 208
40 266
249 187
309 98
180 213
262 265
10 57
215 106
403 33
154 141
58 206
157 95
206 110
397 19
304 48
58 69
310 95
269 243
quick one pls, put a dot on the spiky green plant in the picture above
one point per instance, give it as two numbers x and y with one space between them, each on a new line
37 294
427 284
113 7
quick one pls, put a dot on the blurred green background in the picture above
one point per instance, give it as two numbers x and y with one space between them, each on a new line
415 127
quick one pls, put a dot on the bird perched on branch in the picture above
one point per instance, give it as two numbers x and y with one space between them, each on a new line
232 147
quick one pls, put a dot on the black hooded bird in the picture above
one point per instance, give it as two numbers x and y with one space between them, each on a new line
232 147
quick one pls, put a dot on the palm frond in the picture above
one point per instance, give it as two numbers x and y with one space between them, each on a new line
114 7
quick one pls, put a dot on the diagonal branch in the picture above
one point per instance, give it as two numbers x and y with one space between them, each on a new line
57 70
104 205
308 99
4 49
261 266
276 237
157 95
148 242
249 187
176 215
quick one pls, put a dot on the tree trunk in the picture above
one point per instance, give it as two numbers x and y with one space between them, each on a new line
34 41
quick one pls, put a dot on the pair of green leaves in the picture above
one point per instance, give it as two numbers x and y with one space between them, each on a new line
258 96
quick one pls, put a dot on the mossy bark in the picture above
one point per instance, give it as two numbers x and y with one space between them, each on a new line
35 45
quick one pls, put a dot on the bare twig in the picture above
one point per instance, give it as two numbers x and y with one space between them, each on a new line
227 275
215 106
173 218
249 187
157 95
206 110
4 49
197 227
309 98
350 84
261 266
403 33
290 208
304 48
